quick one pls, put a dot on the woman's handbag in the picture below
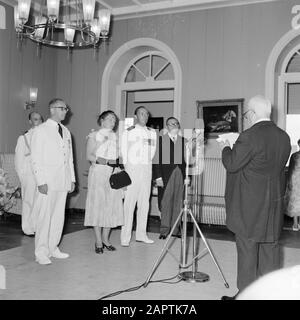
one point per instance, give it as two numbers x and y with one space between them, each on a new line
119 180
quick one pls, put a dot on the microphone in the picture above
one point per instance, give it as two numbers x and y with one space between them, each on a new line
198 147
197 130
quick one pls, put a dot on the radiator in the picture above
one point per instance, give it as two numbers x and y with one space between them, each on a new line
213 178
211 184
212 214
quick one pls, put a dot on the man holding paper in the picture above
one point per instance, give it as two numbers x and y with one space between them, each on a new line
254 192
231 137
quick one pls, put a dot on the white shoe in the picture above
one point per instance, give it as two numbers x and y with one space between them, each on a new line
124 244
43 260
296 228
145 240
60 255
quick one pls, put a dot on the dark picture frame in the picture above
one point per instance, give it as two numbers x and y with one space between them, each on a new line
221 116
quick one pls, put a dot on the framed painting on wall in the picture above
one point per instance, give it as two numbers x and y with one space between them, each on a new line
220 116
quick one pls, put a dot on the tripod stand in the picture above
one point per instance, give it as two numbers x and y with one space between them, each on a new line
190 276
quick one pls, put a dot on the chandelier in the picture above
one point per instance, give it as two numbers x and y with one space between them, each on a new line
80 26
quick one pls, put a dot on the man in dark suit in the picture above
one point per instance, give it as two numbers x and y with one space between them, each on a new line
254 192
168 173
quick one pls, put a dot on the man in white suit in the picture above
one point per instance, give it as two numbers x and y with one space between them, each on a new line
138 149
52 161
25 173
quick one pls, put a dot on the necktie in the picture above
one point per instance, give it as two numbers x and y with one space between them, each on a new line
60 130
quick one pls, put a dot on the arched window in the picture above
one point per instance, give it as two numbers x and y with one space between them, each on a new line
293 64
2 18
289 92
150 66
145 64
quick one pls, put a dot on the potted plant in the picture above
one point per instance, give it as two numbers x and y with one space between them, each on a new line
8 194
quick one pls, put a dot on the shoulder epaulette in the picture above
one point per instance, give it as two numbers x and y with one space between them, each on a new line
149 128
130 128
25 132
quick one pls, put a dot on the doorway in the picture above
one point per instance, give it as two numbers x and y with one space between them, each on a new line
289 95
142 64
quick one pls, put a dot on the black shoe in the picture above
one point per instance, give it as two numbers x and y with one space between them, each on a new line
177 235
31 235
109 248
162 236
98 250
229 298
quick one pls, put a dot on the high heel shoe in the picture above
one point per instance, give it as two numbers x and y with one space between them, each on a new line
99 250
109 248
162 236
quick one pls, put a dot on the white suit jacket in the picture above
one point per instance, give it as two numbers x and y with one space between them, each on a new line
138 145
23 155
52 156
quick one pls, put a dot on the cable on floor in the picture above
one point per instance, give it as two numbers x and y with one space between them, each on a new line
140 286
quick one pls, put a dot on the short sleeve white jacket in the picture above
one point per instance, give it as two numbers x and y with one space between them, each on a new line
23 155
138 145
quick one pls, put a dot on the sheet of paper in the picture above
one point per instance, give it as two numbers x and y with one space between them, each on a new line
231 137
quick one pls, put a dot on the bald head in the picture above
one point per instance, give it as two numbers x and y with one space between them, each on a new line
261 106
35 119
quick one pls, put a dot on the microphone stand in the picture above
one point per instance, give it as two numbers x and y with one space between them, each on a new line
189 276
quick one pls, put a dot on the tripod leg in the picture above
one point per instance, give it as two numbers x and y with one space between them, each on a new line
209 250
194 265
163 251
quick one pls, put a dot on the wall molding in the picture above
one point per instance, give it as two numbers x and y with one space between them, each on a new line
162 7
165 7
10 2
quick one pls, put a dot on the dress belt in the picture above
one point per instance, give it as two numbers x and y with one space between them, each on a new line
107 162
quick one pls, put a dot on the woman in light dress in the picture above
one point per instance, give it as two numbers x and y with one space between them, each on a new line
104 206
293 189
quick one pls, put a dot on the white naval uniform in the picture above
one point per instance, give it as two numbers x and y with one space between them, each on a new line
137 149
52 161
28 183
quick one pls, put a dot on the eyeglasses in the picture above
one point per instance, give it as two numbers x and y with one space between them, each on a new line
245 113
173 124
62 108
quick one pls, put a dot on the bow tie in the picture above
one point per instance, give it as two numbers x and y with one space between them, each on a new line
173 139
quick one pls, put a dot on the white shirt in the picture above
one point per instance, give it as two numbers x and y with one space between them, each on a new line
263 119
138 145
173 138
109 148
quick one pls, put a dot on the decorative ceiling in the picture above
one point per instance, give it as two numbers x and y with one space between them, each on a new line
124 9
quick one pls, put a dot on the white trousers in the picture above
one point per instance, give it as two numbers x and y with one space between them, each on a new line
50 222
29 194
138 192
